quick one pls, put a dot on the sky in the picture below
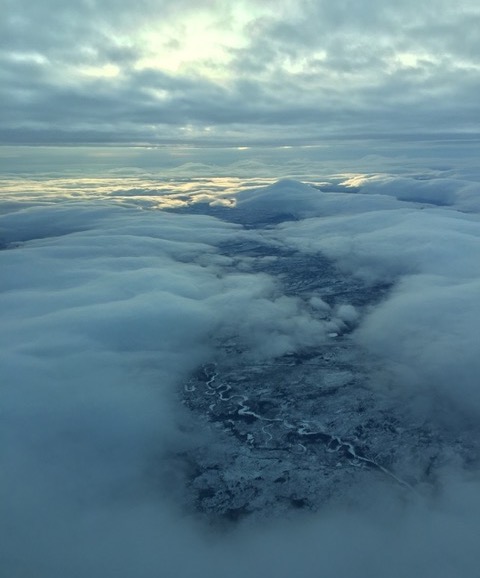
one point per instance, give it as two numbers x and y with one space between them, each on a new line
276 73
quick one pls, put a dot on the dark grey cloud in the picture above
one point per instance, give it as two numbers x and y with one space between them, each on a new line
83 72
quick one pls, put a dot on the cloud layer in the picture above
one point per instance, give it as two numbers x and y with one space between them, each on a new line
276 73
108 303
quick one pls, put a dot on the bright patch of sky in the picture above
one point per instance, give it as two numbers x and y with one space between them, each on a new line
202 44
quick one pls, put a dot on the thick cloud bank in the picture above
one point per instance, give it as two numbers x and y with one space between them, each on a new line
106 309
428 326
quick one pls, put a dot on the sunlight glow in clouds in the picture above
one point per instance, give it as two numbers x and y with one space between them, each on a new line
201 43
414 60
257 72
198 47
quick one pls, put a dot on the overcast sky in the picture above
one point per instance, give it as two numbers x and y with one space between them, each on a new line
237 73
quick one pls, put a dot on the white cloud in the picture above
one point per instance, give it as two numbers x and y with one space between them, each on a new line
427 325
443 191
104 311
293 199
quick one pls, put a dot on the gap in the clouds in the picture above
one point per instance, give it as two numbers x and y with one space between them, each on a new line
312 426
291 413
276 442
